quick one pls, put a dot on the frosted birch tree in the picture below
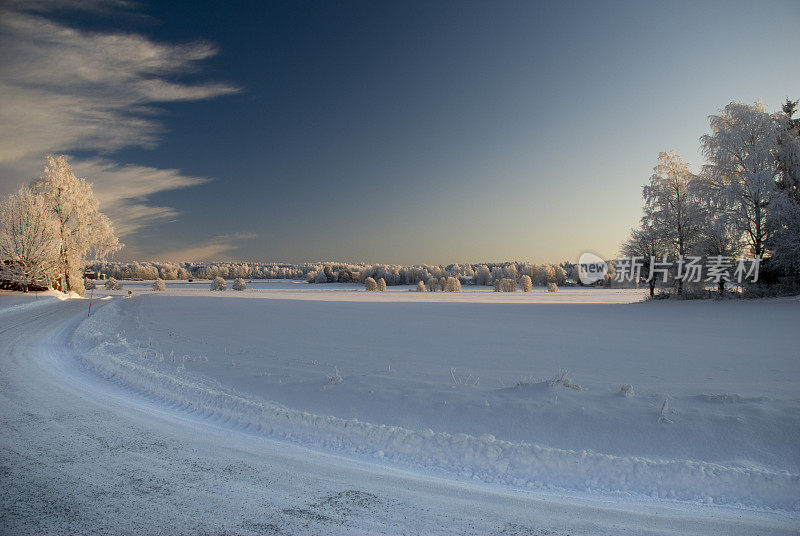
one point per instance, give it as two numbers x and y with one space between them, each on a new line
83 230
670 206
720 232
29 240
648 243
525 283
742 166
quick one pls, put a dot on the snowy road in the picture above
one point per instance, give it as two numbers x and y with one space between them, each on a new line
81 455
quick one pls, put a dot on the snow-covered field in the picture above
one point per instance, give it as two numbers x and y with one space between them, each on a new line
499 402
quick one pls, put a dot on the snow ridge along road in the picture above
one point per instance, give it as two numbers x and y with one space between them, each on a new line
484 458
79 454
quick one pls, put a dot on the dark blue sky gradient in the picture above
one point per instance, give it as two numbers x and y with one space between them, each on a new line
446 131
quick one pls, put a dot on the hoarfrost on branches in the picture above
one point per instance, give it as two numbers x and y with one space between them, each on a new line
29 240
83 230
239 284
218 284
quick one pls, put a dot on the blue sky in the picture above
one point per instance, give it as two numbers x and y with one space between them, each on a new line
378 131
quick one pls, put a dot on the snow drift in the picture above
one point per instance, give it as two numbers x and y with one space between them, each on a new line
521 464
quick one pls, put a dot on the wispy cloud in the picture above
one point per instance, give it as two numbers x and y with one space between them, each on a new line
64 90
216 248
123 191
96 6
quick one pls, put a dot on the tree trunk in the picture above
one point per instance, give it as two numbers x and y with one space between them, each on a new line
67 285
652 287
721 287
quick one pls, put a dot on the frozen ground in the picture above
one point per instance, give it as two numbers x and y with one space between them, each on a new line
216 399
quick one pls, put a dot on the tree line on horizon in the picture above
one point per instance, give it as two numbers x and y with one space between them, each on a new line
486 274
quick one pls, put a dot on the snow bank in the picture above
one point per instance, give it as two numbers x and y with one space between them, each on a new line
14 302
101 348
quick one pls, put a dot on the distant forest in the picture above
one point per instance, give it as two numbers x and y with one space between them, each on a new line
338 272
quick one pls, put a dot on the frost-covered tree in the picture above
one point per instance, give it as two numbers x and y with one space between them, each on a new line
159 285
147 272
670 206
239 284
83 230
742 166
320 276
545 274
506 285
168 273
113 284
575 274
559 275
552 287
29 240
720 234
433 284
530 271
370 285
510 272
647 243
526 283
218 284
785 242
421 286
611 274
483 276
453 284
497 273
381 284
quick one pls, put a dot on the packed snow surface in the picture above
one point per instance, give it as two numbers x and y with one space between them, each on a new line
168 413
15 302
584 390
